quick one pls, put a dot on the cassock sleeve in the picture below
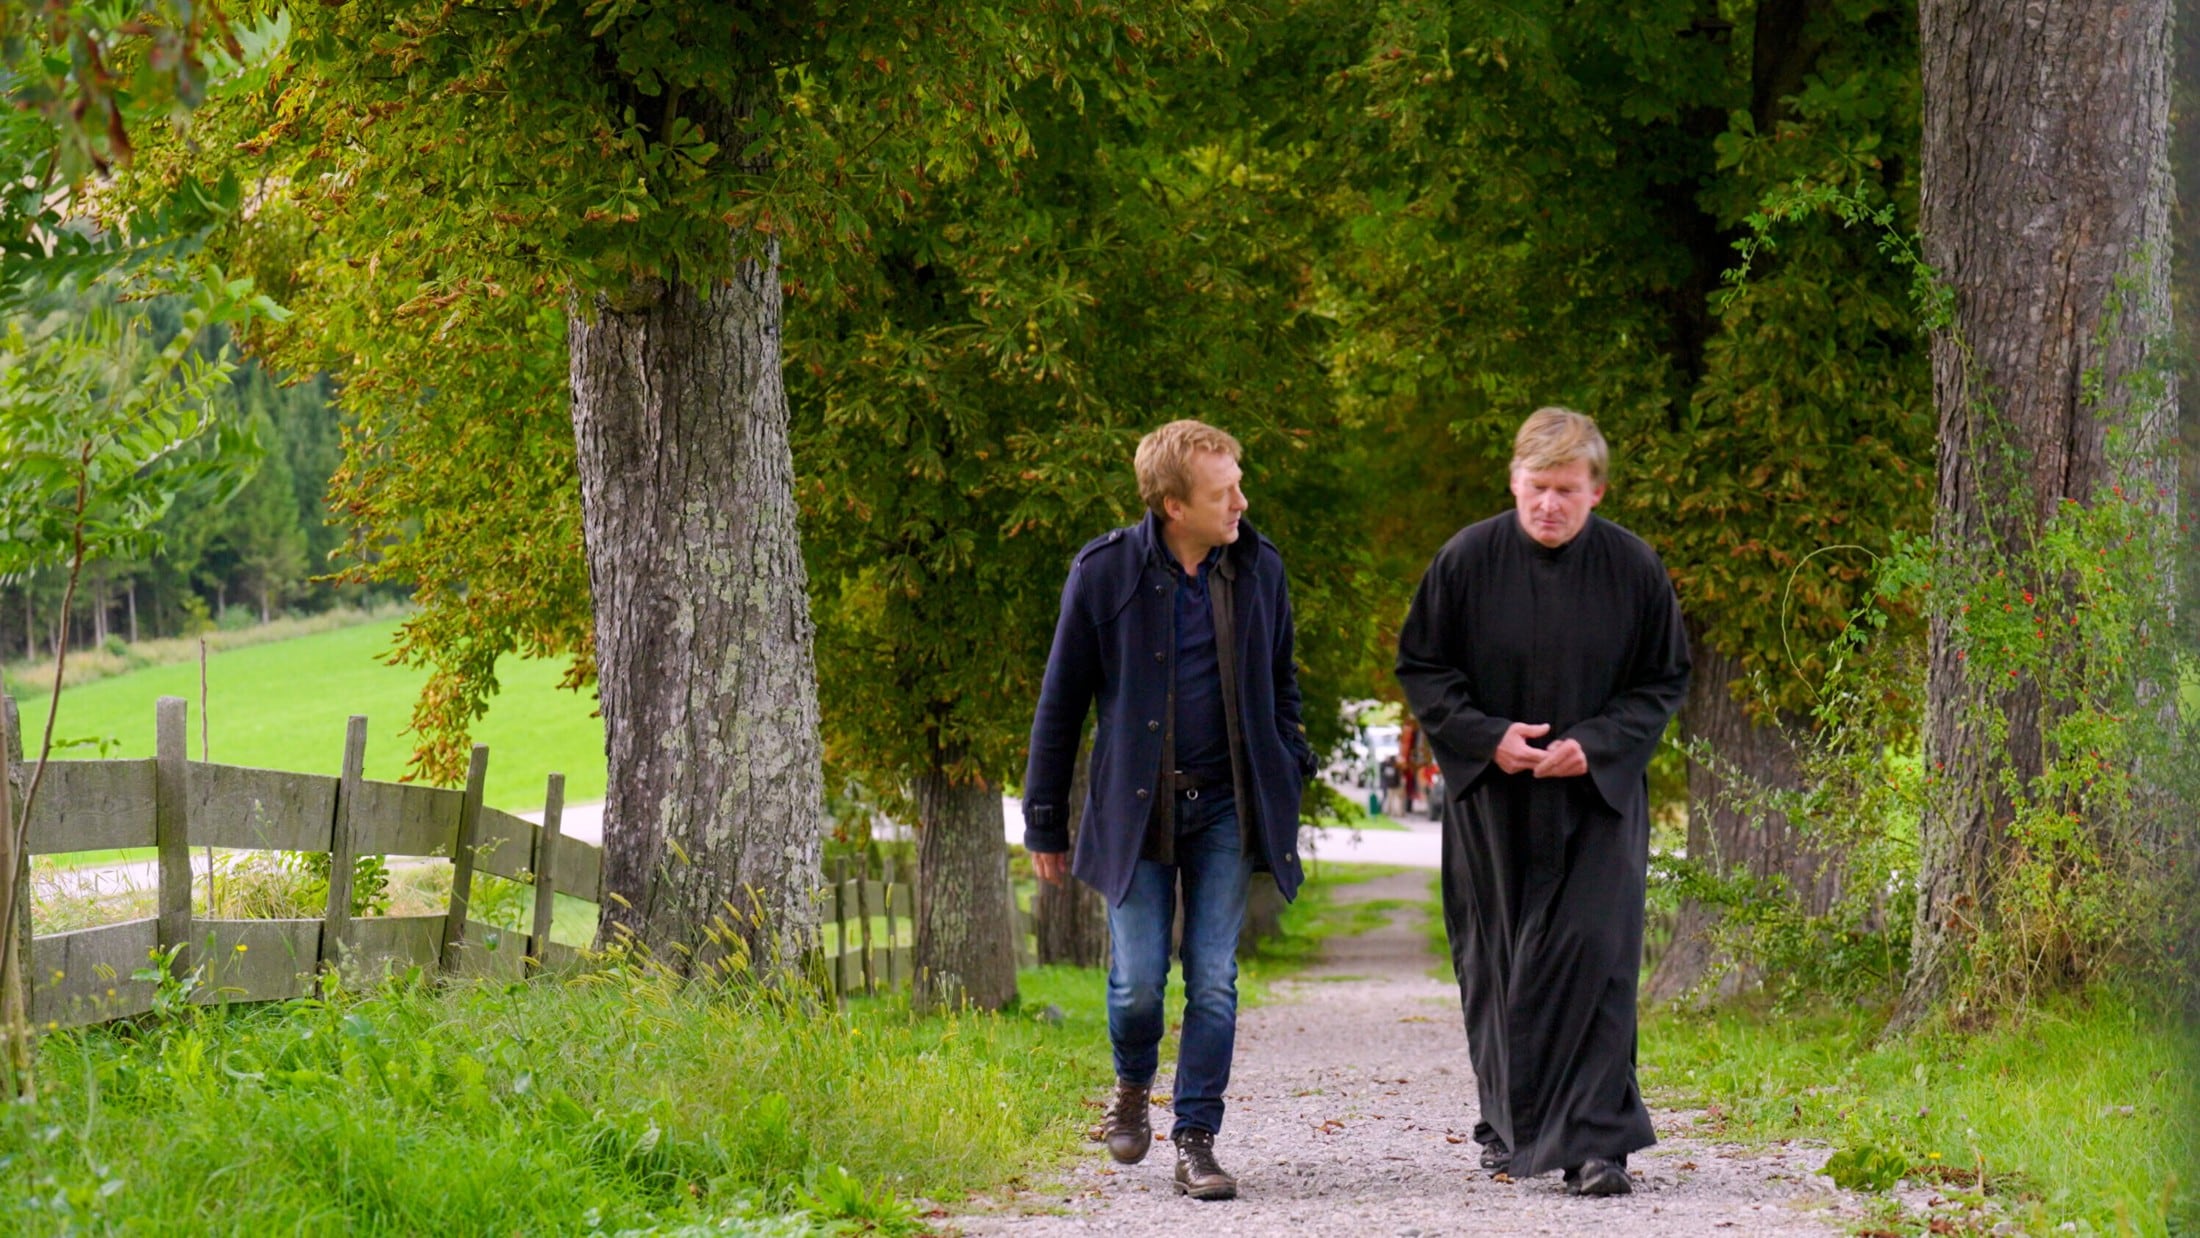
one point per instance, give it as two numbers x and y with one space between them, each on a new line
1073 667
1431 670
1620 740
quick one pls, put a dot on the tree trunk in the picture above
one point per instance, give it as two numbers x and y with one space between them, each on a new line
2185 307
132 596
713 814
966 948
2045 182
1071 920
1263 913
1748 756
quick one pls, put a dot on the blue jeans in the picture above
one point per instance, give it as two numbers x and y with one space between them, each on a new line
1215 871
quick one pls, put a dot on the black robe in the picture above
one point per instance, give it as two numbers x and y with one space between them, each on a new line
1544 879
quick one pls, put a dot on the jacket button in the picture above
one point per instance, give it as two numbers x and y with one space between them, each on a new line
1142 793
1157 588
1153 726
1292 856
1159 656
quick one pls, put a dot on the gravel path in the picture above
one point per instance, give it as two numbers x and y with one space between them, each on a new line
1351 1106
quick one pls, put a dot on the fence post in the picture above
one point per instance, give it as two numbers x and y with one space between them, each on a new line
886 911
11 767
863 916
336 919
544 866
900 904
840 926
172 827
462 857
15 989
1019 923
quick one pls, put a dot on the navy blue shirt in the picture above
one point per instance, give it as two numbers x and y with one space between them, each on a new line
1202 734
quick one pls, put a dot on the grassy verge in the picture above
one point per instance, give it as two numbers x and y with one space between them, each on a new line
1381 824
2079 1114
614 1101
92 859
1317 914
284 705
618 1102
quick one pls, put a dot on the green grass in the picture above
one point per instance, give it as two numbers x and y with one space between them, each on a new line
606 1102
2078 1113
1317 914
616 1102
285 705
93 859
2081 1113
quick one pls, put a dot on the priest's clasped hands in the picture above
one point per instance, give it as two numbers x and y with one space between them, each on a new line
1563 759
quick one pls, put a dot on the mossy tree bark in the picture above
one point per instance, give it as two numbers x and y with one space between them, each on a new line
703 631
966 949
2046 214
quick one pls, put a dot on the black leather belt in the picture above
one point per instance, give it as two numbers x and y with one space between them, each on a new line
1192 786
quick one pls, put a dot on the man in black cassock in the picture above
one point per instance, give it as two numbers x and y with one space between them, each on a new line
1544 655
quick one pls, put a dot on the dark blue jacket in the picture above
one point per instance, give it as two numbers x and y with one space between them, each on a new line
1112 644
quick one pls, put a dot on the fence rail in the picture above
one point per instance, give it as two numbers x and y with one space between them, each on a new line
172 804
870 927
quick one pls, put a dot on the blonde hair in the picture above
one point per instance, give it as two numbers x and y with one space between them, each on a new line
1164 461
1555 437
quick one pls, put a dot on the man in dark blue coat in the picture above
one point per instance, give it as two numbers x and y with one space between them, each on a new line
1180 627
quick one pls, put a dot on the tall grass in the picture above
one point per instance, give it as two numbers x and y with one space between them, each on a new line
620 1100
2078 1114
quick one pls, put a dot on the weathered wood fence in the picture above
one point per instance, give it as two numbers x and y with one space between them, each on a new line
870 926
172 804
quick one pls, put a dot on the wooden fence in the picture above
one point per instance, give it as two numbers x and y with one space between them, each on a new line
172 804
870 927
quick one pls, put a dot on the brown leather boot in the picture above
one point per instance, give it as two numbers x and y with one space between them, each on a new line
1129 1125
1197 1174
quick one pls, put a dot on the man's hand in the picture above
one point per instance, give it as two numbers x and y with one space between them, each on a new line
1051 866
1564 759
1513 753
